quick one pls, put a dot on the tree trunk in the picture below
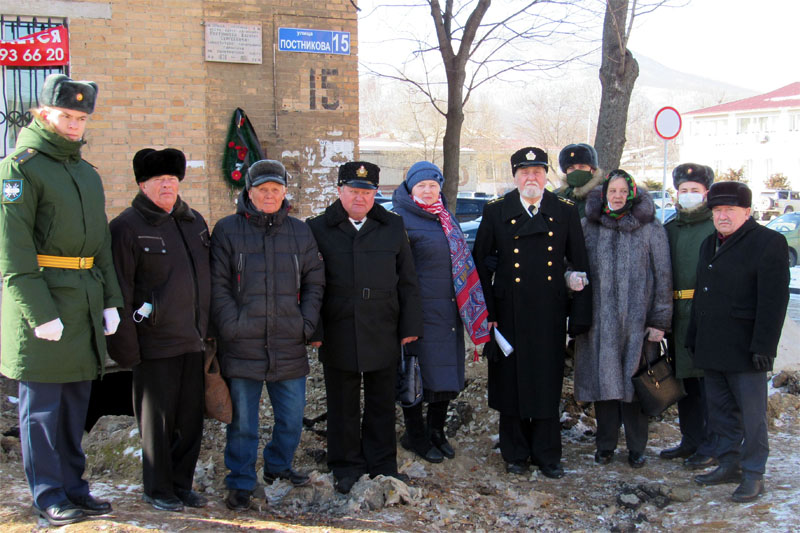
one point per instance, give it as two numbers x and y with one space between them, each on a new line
451 144
618 73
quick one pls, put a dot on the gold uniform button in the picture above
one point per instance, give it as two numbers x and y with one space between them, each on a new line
549 263
516 265
550 233
517 280
549 248
516 250
516 237
551 219
514 221
549 278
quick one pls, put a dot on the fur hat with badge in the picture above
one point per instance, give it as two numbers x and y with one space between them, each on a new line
701 174
149 163
577 154
61 91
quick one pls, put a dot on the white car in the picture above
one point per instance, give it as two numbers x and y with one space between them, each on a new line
662 199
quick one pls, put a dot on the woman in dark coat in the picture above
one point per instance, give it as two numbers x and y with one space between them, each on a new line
631 283
441 255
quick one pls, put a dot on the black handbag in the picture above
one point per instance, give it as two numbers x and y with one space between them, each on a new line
655 383
409 380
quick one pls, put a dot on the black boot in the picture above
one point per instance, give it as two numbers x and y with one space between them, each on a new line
416 439
724 473
437 414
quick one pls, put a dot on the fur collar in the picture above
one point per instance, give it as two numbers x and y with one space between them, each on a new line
643 212
156 216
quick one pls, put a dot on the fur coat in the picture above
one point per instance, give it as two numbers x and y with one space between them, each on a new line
631 282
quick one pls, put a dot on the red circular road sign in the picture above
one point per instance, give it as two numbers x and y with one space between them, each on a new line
668 123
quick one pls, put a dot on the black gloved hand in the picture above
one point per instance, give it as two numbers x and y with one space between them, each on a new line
491 263
762 362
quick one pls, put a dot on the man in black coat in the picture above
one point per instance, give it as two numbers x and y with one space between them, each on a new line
533 235
371 306
160 248
739 307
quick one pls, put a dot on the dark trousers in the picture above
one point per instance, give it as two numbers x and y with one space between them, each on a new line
419 431
361 444
168 403
613 413
51 419
737 414
693 418
537 439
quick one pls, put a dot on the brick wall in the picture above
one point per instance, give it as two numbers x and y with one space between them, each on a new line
157 90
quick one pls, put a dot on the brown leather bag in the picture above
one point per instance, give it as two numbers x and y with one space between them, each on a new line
218 403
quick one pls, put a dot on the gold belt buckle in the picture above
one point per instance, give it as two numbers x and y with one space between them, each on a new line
82 262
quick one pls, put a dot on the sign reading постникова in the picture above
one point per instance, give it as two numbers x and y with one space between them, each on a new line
313 41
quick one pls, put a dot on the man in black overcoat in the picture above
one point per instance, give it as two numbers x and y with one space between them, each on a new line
534 235
371 306
737 315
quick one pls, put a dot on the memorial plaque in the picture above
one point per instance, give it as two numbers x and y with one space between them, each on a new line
233 43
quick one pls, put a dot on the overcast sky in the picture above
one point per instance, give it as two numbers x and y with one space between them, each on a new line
753 44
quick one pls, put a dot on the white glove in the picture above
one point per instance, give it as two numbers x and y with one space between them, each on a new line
576 281
110 320
50 331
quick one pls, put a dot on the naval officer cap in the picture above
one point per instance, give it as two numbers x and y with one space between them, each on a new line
529 156
359 174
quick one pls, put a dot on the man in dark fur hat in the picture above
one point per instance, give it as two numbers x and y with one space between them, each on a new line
738 310
161 257
581 171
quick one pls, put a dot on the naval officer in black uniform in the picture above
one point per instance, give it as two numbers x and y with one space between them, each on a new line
533 235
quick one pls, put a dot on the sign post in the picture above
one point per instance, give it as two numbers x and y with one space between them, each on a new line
668 126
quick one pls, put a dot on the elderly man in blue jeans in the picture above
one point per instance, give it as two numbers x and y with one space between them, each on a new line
267 280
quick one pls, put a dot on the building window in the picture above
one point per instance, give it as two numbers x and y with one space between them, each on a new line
794 121
762 124
21 85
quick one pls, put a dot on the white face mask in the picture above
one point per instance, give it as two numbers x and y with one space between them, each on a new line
689 200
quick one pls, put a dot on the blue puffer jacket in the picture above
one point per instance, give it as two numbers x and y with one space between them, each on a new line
441 348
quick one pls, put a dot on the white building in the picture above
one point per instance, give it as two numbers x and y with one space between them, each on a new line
760 134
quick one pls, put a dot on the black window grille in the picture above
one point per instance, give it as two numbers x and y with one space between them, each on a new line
21 85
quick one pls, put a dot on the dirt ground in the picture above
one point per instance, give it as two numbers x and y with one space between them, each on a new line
469 493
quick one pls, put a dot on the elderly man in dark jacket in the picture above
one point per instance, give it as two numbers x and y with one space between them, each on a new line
739 307
534 234
160 248
267 285
372 306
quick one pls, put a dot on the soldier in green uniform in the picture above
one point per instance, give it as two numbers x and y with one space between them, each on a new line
686 232
579 164
60 294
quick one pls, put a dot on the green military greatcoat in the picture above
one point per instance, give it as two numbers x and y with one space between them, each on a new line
685 232
53 204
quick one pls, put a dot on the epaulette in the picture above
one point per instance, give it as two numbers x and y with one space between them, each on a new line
91 165
497 200
24 156
391 212
566 200
312 217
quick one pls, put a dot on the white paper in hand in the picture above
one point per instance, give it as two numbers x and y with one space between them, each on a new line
506 348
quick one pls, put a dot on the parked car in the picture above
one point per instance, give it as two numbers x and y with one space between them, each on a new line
669 214
383 200
789 226
662 199
470 229
470 208
776 202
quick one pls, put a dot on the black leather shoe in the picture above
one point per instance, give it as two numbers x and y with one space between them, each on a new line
345 484
722 474
554 471
238 500
297 479
439 439
164 504
517 468
191 498
61 514
636 459
748 490
697 461
603 457
397 475
678 452
431 454
91 506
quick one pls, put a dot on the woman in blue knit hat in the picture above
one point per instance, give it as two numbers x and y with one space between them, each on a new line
452 299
